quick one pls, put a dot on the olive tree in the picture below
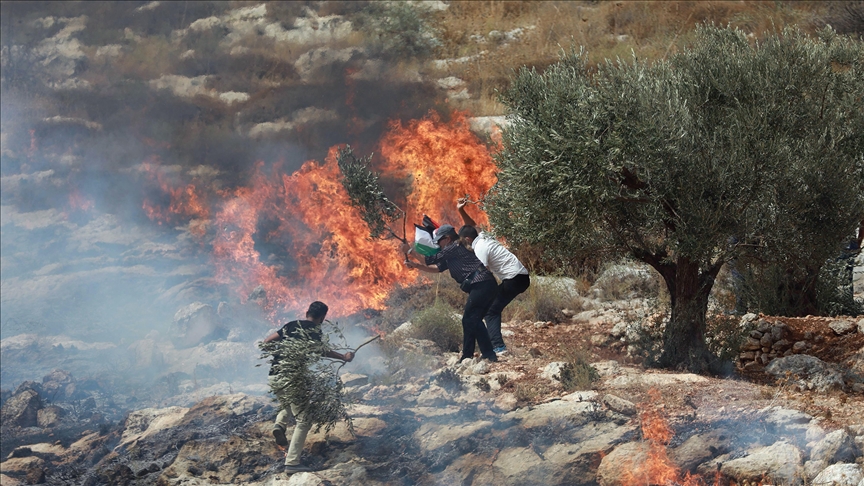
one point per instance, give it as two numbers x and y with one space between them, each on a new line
726 148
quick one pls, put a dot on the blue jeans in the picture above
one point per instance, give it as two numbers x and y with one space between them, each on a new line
507 291
480 298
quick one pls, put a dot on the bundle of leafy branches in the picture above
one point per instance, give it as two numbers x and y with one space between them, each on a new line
301 377
364 190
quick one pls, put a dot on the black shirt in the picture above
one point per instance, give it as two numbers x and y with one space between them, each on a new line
461 262
292 330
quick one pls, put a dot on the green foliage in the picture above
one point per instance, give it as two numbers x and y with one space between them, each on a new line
725 336
775 290
304 379
365 192
400 30
440 324
834 292
727 149
577 373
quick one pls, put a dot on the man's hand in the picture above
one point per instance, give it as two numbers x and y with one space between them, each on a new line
461 202
349 356
405 247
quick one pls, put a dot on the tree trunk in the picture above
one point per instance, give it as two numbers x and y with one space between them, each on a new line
684 344
801 296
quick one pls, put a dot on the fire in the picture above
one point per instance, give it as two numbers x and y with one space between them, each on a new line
442 161
185 201
297 237
657 468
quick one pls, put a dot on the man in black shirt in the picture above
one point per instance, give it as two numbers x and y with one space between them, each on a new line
463 266
309 328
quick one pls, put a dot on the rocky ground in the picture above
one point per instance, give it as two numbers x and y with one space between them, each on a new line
511 422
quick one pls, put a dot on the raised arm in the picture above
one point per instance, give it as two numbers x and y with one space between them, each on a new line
460 206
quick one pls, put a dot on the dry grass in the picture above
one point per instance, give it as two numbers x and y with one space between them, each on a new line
650 30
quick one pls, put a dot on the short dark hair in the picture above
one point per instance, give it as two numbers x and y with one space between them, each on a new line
468 231
317 310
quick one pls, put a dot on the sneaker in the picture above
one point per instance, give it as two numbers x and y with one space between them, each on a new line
491 358
297 468
279 435
500 350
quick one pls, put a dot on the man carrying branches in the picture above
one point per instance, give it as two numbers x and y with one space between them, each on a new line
306 334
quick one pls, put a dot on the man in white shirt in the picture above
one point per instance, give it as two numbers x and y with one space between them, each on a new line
503 264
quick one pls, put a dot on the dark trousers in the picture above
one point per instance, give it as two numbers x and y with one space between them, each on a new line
507 291
479 299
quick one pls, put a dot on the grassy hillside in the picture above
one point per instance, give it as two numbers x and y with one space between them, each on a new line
649 30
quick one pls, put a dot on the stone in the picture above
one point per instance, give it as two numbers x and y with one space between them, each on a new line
552 371
780 462
354 379
766 342
837 446
49 416
861 325
619 404
799 347
809 372
781 345
22 409
622 465
571 463
785 419
779 331
842 326
700 448
839 475
194 324
431 436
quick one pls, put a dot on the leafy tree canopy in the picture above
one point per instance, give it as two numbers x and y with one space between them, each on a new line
729 146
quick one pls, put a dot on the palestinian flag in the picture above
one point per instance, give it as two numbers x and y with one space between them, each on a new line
423 243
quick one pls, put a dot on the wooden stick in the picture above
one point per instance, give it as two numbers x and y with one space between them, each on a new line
364 343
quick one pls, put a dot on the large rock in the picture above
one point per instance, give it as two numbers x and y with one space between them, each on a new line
838 446
840 475
780 463
808 372
195 324
21 410
572 463
700 448
624 464
842 326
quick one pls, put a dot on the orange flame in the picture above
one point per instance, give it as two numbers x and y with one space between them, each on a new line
657 468
442 162
185 201
298 238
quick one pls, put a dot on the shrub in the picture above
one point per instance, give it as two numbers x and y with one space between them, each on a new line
399 30
577 373
545 300
404 302
725 336
439 324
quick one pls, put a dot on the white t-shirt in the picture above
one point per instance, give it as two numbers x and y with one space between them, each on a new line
497 259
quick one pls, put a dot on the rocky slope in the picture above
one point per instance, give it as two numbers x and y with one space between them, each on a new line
510 422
